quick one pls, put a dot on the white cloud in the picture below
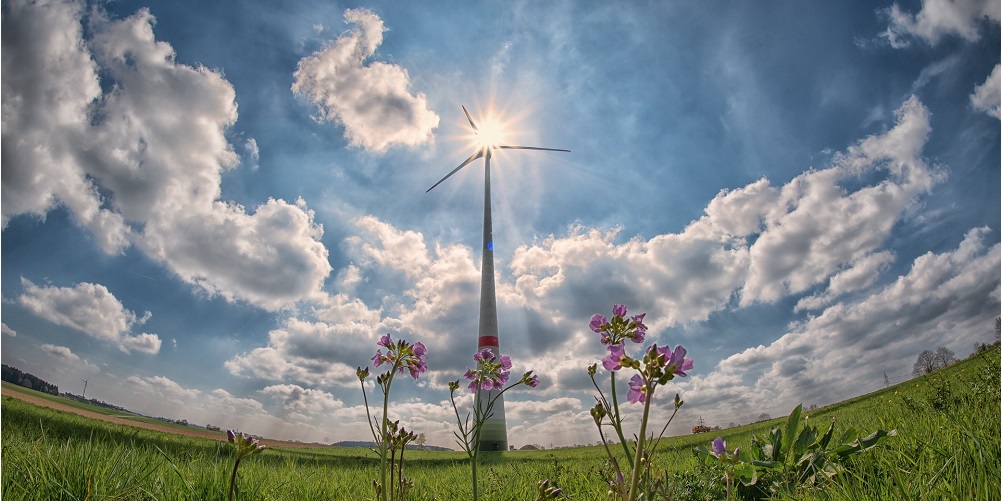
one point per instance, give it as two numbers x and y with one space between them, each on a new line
91 309
142 163
939 18
860 274
7 331
309 401
986 95
61 352
49 82
816 226
944 300
371 101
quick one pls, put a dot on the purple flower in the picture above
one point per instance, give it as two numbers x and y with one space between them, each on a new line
483 355
420 350
533 381
505 362
638 389
639 330
677 363
385 341
614 361
719 447
619 310
597 322
377 360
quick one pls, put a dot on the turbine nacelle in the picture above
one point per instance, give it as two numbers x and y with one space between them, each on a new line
487 139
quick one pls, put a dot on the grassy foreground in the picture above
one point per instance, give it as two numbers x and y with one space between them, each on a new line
948 447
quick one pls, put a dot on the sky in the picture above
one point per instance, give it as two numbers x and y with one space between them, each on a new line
213 210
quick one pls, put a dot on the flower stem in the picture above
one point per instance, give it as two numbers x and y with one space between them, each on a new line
635 477
618 422
233 477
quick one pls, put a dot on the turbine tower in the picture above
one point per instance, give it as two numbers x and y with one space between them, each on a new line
494 434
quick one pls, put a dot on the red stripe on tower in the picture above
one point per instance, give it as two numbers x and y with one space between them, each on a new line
487 341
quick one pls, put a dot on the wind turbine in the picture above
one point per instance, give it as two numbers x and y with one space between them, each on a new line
85 387
494 435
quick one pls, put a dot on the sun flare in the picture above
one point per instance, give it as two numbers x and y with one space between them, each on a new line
491 132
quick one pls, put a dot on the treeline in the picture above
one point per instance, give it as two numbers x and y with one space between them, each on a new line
14 375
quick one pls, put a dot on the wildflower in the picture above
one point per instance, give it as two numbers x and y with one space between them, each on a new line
491 373
677 363
597 322
719 447
639 329
638 389
619 310
614 361
385 341
529 379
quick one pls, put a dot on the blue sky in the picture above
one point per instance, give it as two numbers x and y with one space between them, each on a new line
212 210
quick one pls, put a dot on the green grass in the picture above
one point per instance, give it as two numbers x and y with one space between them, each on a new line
947 447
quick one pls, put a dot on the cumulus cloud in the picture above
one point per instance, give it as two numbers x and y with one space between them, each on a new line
49 82
986 95
142 162
91 309
61 352
295 398
321 350
7 331
371 101
947 299
939 18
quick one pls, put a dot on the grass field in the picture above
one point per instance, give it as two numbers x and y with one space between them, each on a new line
947 447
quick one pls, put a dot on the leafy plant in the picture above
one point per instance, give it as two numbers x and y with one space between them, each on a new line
791 457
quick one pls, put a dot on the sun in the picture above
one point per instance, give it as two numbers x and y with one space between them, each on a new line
490 133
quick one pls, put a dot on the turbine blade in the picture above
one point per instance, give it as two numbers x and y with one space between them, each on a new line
468 117
529 148
473 157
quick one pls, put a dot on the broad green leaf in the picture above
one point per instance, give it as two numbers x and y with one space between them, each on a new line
792 423
823 443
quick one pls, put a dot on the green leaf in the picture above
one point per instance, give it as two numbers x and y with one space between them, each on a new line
777 445
792 423
805 441
823 443
746 473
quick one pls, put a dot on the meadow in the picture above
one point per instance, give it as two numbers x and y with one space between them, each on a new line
947 447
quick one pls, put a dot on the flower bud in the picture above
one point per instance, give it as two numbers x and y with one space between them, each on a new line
362 373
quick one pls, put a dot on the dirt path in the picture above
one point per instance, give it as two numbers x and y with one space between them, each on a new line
163 428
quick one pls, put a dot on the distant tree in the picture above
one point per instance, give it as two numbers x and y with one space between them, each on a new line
998 328
925 363
420 440
764 416
812 407
732 424
716 428
944 357
887 382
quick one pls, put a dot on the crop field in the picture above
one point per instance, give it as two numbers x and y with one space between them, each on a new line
947 446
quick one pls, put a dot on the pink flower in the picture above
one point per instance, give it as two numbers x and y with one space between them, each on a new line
614 361
597 322
619 310
638 389
385 341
